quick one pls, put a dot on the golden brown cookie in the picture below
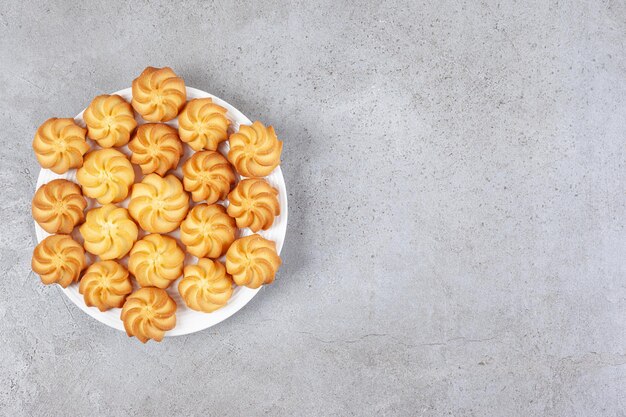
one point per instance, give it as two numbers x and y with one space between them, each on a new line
156 261
148 313
158 204
105 285
203 124
110 121
106 176
109 232
208 176
58 259
208 231
58 206
156 148
205 286
158 94
60 144
255 150
254 204
252 261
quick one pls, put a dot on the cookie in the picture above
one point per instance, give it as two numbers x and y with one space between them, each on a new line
105 285
148 313
208 231
208 176
252 261
156 148
158 204
158 94
255 150
60 144
206 286
254 204
106 176
58 206
110 121
203 124
109 232
58 259
156 261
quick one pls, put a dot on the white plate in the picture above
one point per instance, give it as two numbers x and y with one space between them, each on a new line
187 320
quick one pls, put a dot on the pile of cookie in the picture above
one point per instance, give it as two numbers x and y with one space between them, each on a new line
159 204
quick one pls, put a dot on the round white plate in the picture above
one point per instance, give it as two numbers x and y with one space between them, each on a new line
187 320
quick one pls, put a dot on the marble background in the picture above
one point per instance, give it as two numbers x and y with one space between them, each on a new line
457 187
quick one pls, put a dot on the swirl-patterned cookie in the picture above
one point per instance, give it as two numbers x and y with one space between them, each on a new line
158 94
156 148
58 206
156 261
255 150
105 285
159 204
254 204
208 176
205 286
58 259
208 231
60 144
110 121
106 176
148 313
203 124
252 261
109 232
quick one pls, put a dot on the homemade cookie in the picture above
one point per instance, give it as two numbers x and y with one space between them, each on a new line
203 124
156 148
156 261
252 261
158 94
255 150
110 121
254 204
59 145
58 259
109 232
205 286
105 285
208 176
106 176
158 204
58 206
208 231
148 313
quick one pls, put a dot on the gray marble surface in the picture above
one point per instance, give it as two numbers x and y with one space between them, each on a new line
457 185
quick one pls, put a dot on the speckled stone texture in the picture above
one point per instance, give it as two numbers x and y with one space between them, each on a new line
457 188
